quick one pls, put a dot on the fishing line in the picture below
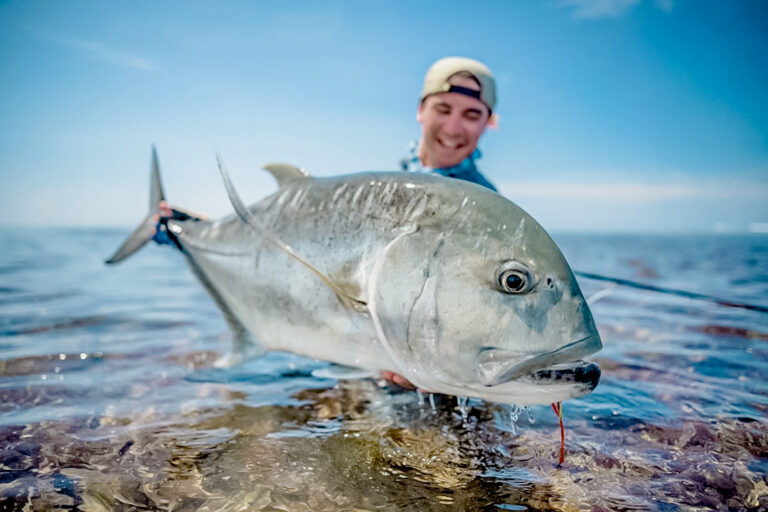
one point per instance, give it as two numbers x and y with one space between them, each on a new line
558 408
602 293
672 291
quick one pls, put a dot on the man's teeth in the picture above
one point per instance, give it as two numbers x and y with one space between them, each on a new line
451 145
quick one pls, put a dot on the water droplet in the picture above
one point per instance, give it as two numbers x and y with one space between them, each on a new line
529 415
462 402
514 415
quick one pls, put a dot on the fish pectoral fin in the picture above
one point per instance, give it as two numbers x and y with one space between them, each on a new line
249 220
340 372
286 173
351 296
356 305
498 365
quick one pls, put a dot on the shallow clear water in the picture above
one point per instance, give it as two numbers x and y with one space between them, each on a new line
109 399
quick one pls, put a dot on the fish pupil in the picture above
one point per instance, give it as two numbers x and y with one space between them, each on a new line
514 282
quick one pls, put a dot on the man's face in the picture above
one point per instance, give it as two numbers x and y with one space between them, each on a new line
451 125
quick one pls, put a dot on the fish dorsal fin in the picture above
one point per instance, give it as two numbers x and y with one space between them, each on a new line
247 217
286 173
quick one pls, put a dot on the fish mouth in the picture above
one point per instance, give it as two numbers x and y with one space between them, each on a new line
558 366
584 373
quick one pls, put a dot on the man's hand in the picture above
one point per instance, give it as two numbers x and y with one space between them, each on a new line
164 209
396 379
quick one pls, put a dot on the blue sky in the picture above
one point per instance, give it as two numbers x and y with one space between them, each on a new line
616 115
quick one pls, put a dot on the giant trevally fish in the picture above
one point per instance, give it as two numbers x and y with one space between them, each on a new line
442 281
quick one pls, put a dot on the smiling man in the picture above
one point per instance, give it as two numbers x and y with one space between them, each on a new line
456 107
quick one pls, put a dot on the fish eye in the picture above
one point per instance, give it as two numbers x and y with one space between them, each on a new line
513 278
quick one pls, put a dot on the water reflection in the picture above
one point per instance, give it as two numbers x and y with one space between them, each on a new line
355 447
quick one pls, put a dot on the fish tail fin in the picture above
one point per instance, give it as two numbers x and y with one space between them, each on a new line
147 228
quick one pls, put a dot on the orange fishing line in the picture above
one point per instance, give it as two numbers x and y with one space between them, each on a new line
558 408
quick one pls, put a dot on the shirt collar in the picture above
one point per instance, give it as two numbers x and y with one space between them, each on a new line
465 166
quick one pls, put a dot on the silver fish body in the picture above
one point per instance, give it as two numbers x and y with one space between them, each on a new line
420 256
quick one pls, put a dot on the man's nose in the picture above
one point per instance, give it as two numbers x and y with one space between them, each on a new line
453 124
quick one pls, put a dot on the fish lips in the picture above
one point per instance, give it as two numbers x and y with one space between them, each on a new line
561 366
584 373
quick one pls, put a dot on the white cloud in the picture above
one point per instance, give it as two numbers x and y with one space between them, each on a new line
665 5
593 9
98 51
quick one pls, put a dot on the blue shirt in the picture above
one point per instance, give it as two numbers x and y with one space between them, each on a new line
466 170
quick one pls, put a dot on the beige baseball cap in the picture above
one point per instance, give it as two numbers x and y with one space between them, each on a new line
439 74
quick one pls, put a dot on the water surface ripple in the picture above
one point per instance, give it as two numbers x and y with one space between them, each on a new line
109 398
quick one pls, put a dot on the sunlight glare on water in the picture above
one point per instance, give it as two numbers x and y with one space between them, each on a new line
109 397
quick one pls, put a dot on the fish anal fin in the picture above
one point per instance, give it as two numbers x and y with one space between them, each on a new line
286 173
243 345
